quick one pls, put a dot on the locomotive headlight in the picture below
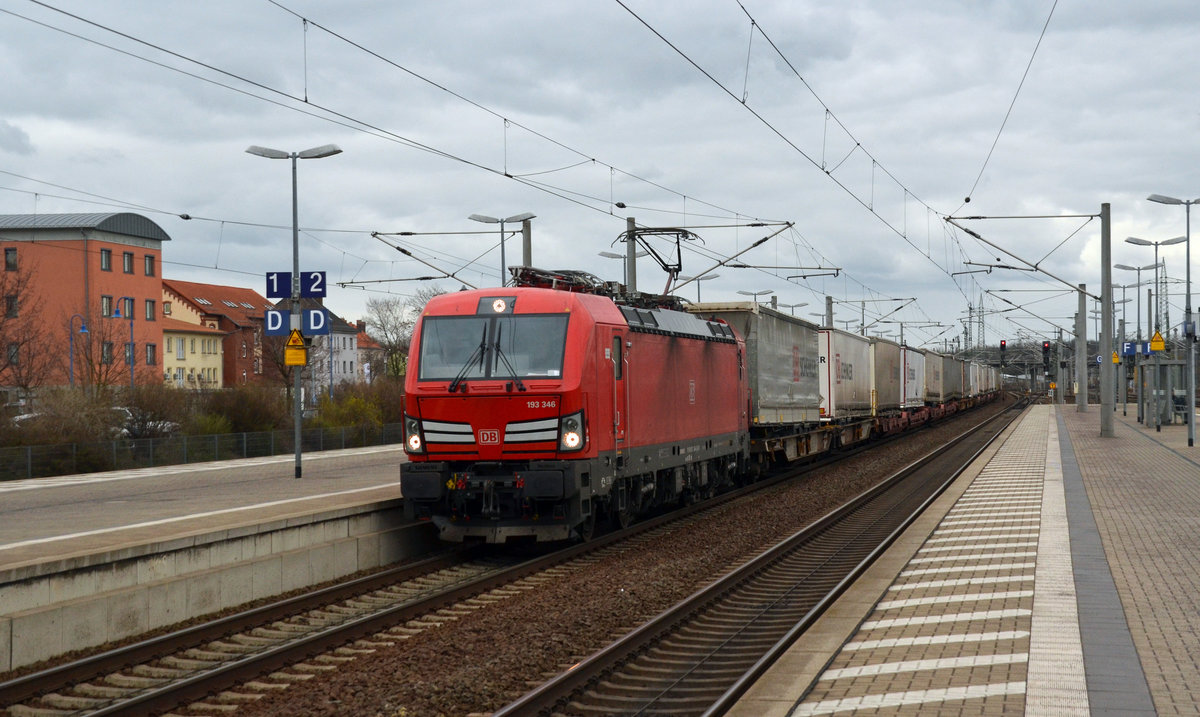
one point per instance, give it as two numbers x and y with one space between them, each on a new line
412 435
570 432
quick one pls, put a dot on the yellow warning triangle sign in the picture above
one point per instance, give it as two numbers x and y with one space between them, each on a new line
295 339
1157 343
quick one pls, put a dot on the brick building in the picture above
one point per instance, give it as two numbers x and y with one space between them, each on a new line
63 272
236 313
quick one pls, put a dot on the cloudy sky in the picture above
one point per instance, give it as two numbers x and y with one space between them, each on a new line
864 123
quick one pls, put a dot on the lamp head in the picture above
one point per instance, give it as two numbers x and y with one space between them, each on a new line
325 150
267 152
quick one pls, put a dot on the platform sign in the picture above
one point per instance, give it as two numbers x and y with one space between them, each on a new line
279 284
1133 348
275 323
316 322
312 284
294 352
1157 343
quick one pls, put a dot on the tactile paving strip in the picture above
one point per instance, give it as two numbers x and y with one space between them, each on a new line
983 614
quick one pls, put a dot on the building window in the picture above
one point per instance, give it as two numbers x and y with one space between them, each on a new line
243 349
126 307
179 348
166 308
11 306
127 262
10 259
149 265
128 353
106 352
106 260
193 345
106 306
150 309
151 354
169 340
14 354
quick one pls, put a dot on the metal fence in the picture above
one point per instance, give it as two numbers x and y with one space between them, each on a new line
68 458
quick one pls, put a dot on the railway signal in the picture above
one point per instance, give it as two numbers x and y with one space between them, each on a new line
1003 347
1046 355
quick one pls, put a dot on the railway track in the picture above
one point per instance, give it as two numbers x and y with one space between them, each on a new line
266 648
236 658
700 656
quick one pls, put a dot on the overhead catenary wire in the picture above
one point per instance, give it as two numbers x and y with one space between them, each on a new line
356 124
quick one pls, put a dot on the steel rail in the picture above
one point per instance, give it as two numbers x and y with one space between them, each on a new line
561 692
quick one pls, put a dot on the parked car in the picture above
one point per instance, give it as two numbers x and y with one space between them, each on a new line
136 424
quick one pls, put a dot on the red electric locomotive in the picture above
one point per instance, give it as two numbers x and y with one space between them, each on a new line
532 411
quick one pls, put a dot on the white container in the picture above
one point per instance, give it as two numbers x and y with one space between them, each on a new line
781 357
845 375
886 379
912 367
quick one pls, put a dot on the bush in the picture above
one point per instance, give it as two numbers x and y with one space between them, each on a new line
348 411
250 408
207 424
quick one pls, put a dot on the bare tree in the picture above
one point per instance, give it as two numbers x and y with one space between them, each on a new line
27 350
391 321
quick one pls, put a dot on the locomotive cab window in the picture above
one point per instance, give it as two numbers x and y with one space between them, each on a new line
497 347
618 363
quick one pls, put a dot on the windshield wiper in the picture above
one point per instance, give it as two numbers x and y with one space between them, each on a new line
500 355
477 353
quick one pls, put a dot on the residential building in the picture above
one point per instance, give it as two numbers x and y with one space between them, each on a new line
64 272
333 357
372 358
193 354
236 312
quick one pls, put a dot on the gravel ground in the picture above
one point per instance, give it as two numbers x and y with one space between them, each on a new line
486 659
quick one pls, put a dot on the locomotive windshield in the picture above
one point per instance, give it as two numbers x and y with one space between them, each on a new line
465 348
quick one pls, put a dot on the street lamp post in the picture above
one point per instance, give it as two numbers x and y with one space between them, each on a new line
756 294
129 353
1189 328
699 279
523 218
625 264
1157 318
71 342
326 150
792 307
1136 356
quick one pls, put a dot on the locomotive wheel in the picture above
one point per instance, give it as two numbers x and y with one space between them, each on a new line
587 529
622 518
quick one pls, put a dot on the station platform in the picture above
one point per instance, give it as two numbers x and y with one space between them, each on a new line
90 559
52 519
1057 576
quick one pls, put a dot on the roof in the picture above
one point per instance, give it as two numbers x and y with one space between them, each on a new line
126 223
241 306
169 324
366 342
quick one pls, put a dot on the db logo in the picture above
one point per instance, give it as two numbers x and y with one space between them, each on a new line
489 437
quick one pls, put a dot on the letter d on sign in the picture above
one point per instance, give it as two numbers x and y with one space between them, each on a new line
316 322
275 323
